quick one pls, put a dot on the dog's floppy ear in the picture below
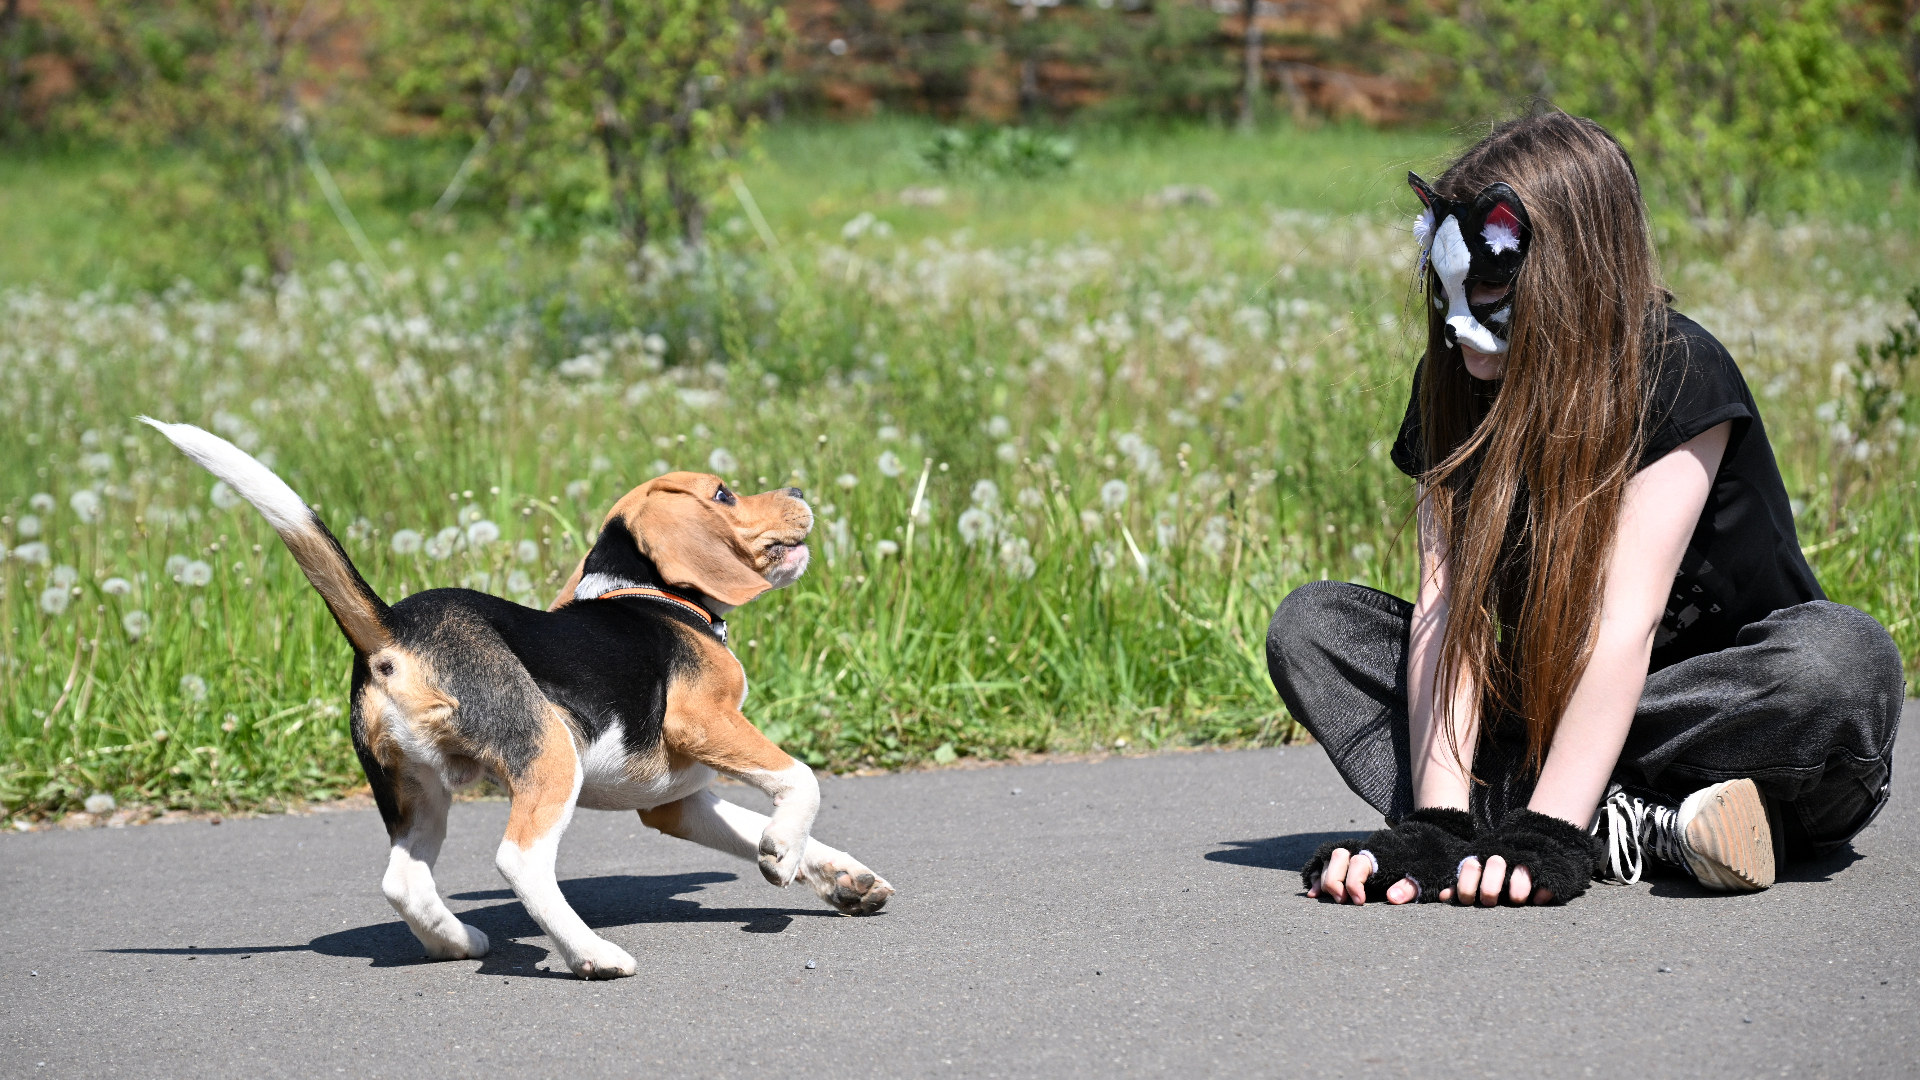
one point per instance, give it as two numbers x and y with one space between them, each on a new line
692 547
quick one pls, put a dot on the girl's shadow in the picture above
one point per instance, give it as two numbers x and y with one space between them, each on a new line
1275 852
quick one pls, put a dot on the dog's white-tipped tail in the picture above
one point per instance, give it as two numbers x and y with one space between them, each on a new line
362 615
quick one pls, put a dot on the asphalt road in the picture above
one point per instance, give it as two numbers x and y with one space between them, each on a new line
1129 917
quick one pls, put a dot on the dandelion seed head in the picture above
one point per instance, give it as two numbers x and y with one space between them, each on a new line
1016 558
197 574
1091 520
176 564
193 688
721 462
986 494
28 525
443 543
975 525
891 465
846 480
999 427
519 583
64 576
116 586
406 542
54 599
1031 498
886 548
136 624
1113 494
481 533
577 489
223 496
86 505
97 464
887 433
42 502
527 551
1361 552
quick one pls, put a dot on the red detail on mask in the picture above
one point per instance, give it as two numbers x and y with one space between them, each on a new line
1502 215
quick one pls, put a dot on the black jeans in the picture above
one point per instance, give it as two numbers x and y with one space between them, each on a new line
1806 704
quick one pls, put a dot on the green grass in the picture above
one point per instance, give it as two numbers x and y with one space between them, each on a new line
1238 368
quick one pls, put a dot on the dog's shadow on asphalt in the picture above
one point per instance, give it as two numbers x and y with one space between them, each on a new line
1289 852
601 902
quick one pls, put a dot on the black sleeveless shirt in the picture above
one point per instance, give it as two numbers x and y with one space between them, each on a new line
1744 560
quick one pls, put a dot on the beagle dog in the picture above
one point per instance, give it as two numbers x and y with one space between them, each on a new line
623 696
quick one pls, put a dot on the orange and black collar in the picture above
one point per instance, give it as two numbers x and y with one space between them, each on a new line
654 592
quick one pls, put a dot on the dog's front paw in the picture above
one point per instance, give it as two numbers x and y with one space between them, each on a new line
470 944
780 859
602 959
849 887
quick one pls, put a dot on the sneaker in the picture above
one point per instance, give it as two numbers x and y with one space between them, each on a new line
1719 834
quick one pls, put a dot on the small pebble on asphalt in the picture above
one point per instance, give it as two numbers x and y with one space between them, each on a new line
810 965
1668 969
1016 791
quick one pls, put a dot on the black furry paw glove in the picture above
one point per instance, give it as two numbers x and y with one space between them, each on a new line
1426 846
1560 857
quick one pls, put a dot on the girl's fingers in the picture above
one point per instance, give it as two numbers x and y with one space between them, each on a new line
1358 871
1402 891
1469 880
1333 878
1491 880
1520 886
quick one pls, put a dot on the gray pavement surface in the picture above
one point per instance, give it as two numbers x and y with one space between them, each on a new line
1137 916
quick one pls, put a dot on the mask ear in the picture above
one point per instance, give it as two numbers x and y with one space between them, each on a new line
689 550
1421 189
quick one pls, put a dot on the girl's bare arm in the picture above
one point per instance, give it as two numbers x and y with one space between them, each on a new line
1439 777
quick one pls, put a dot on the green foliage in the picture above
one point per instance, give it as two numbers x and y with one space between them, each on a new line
621 112
1721 100
1005 151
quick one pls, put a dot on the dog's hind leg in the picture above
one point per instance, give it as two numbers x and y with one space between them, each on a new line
418 828
706 819
544 792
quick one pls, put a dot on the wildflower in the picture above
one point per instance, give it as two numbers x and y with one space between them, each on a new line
481 533
1165 531
63 576
223 496
999 427
975 525
846 480
97 464
478 581
1113 494
86 505
160 734
886 548
654 344
193 688
197 574
41 502
176 564
443 543
986 494
54 599
36 552
1214 540
721 462
888 433
406 542
1361 552
1007 452
1016 558
891 465
1031 498
518 582
29 526
527 551
1091 520
229 722
136 624
577 489
659 467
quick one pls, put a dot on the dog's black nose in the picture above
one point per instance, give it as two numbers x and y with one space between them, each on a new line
797 493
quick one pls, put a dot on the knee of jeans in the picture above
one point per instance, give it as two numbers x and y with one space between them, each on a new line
1849 660
1301 622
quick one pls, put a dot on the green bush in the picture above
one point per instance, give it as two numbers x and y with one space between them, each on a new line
1006 151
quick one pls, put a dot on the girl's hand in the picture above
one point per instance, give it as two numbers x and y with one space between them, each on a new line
1484 885
1345 879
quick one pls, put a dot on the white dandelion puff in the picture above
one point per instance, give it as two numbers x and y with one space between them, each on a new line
986 494
518 582
197 574
443 543
1113 494
888 433
406 542
846 480
722 462
97 464
1016 558
975 525
136 624
54 599
193 688
527 551
481 533
176 564
41 502
1031 498
999 427
223 496
1091 520
28 526
1361 552
36 552
891 465
116 586
64 576
86 505
578 489
886 548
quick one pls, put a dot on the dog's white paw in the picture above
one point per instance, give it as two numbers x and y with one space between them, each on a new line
472 944
602 959
848 887
780 859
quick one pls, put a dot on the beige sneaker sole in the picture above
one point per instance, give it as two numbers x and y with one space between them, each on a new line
1729 843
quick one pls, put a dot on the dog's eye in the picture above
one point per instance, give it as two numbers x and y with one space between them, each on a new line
724 496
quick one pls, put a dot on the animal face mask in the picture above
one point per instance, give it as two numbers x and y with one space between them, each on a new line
1482 242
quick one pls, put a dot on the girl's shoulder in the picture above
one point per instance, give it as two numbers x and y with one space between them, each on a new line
1693 384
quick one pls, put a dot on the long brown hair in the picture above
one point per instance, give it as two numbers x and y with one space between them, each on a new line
1526 476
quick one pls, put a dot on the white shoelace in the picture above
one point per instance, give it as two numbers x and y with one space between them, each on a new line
1633 826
